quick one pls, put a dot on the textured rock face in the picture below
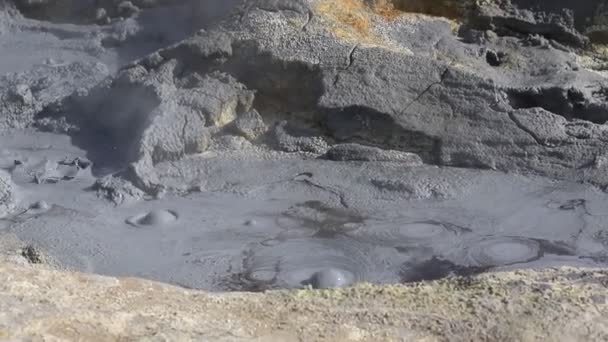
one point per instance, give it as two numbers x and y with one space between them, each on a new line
512 99
356 152
25 94
562 21
107 11
556 305
7 194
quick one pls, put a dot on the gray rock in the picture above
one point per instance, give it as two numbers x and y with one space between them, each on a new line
250 125
127 9
289 142
24 95
117 190
101 16
357 152
419 89
151 117
55 10
230 142
566 24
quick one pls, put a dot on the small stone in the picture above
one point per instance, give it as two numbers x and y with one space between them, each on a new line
127 9
32 255
357 152
22 92
491 36
101 15
600 161
198 144
231 142
250 125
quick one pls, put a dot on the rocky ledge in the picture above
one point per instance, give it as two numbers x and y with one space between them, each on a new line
515 86
550 305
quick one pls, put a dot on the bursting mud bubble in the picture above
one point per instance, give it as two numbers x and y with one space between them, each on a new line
253 145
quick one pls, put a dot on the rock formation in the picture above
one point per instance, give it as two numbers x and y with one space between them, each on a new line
498 87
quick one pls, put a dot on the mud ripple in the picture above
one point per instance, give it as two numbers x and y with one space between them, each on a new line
320 263
503 251
316 219
403 232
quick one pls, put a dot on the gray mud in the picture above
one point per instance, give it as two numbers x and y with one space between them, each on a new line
341 225
259 144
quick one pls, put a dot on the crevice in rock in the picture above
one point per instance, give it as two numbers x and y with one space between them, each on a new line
569 103
440 8
525 129
284 90
580 10
494 58
599 37
520 28
561 21
309 19
426 90
369 127
349 63
340 194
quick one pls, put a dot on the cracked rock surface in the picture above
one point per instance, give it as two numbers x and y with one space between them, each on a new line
440 96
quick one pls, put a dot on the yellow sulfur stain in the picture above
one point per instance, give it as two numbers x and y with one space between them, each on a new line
354 19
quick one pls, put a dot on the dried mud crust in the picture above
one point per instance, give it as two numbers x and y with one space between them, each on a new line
555 304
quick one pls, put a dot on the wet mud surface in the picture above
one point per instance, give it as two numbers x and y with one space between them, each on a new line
292 234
